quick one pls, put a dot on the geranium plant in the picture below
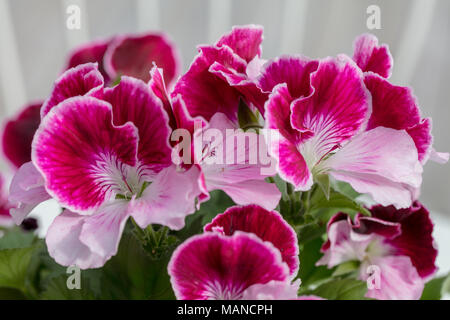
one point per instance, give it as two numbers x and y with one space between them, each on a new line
243 178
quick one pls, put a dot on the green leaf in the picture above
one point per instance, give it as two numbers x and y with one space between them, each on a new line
57 289
323 180
346 268
246 118
16 238
436 288
11 294
218 203
324 209
341 289
14 264
309 273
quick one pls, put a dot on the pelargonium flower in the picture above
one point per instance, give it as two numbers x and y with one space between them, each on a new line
223 74
214 266
267 225
5 206
129 55
104 154
321 109
398 242
18 134
392 106
241 180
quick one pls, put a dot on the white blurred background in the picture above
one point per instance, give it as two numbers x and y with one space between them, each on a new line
34 43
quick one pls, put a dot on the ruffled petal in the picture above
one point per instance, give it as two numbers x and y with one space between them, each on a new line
370 56
83 157
439 157
336 110
399 279
135 55
90 52
168 199
245 41
416 240
382 162
212 266
294 71
18 134
101 231
132 101
272 290
203 92
396 107
64 245
26 191
267 225
83 80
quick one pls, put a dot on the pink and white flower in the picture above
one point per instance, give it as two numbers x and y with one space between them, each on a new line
398 242
242 180
224 73
104 155
322 109
129 55
267 225
5 206
245 253
240 266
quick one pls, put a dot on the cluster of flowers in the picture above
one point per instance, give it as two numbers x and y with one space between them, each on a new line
104 150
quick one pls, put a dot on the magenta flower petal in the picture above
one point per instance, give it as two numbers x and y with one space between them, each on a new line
416 239
26 191
396 107
267 225
83 157
90 52
291 165
82 80
212 266
168 199
18 134
203 92
135 55
245 41
382 162
370 56
64 245
295 71
336 110
133 101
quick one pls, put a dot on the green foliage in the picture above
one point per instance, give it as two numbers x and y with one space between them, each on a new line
341 289
436 288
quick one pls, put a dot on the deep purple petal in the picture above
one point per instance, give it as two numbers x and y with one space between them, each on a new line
134 56
18 134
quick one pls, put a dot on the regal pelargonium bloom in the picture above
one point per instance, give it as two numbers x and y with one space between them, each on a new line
129 55
5 218
214 266
393 106
267 225
242 180
397 243
224 73
105 157
321 109
18 134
